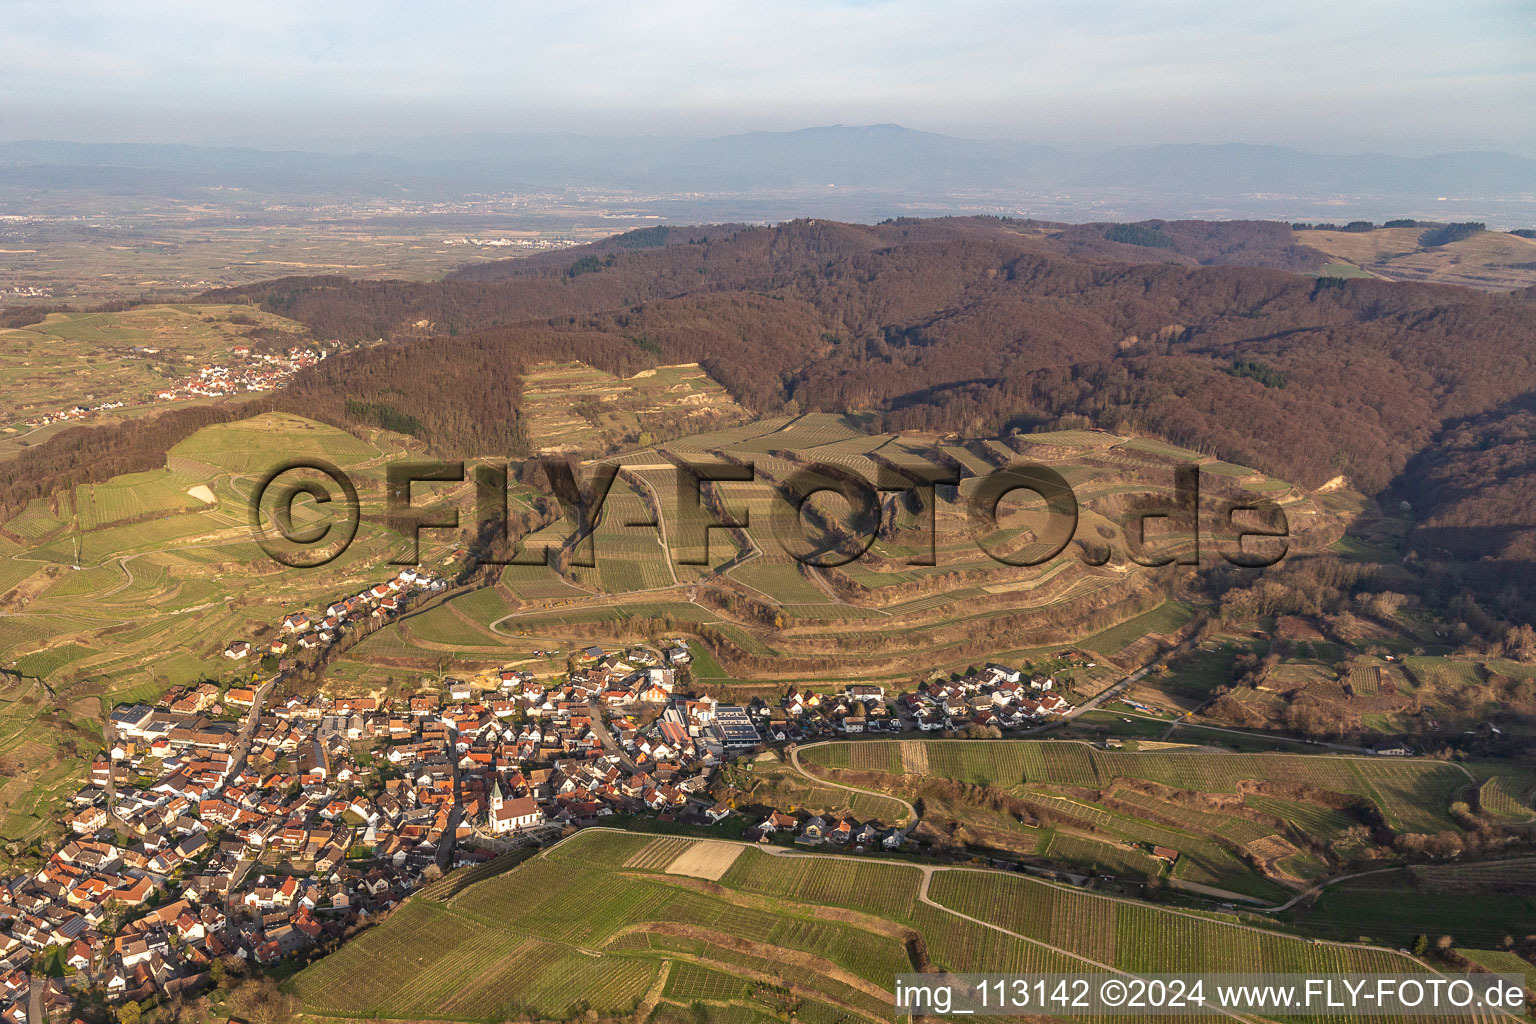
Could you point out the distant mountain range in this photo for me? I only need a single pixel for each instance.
(885, 161)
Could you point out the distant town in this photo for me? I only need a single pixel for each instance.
(246, 371)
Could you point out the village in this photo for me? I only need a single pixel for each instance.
(246, 371)
(257, 824)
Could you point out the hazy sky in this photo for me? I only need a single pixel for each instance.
(1409, 76)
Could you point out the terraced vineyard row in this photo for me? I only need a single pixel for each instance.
(689, 981)
(1309, 819)
(1234, 827)
(1502, 798)
(885, 889)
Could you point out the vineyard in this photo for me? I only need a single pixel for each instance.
(592, 923)
(1133, 937)
(1413, 794)
(1503, 798)
(1479, 904)
(1202, 859)
(1100, 817)
(1160, 621)
(1491, 876)
(1102, 856)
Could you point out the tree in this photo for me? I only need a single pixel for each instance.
(260, 1001)
(130, 1013)
(1420, 945)
(1520, 643)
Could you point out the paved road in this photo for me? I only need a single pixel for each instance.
(110, 735)
(605, 737)
(35, 1013)
(455, 813)
(1108, 693)
(248, 729)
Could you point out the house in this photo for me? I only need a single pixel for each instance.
(1393, 749)
(1052, 704)
(814, 832)
(240, 697)
(79, 955)
(237, 650)
(776, 821)
(92, 819)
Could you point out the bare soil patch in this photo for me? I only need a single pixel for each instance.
(705, 859)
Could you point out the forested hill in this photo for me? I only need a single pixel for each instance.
(977, 326)
(972, 325)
